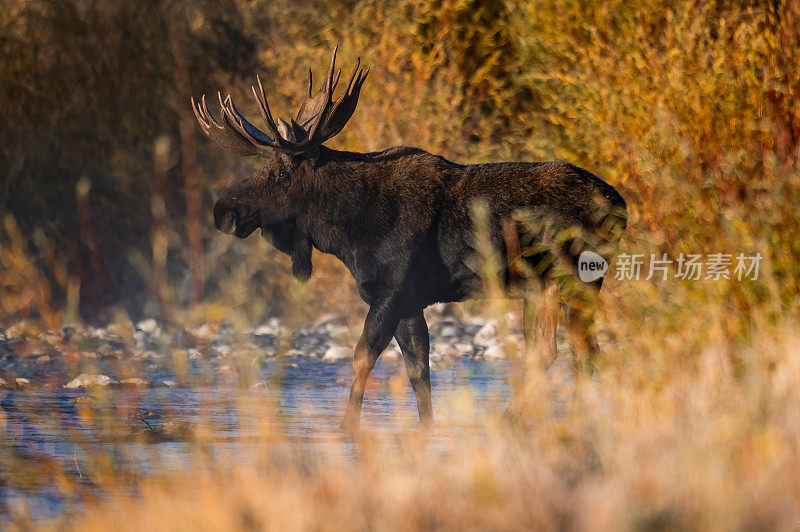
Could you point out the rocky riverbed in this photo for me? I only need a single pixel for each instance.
(148, 354)
(71, 394)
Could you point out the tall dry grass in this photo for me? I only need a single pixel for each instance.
(704, 449)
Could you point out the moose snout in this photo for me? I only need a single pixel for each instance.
(224, 216)
(233, 216)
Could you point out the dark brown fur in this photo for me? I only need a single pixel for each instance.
(401, 221)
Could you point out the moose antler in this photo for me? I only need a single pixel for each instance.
(319, 119)
(226, 135)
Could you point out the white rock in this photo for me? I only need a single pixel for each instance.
(330, 320)
(494, 352)
(444, 349)
(223, 349)
(464, 350)
(205, 332)
(84, 380)
(100, 334)
(271, 328)
(149, 326)
(264, 330)
(338, 352)
(487, 335)
(476, 320)
(449, 331)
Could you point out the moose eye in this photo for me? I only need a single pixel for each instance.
(283, 175)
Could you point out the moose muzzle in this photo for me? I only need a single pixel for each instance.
(236, 218)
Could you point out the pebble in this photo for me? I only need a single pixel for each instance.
(148, 334)
(338, 352)
(487, 335)
(449, 331)
(204, 332)
(266, 335)
(335, 325)
(494, 352)
(222, 349)
(179, 428)
(149, 326)
(464, 349)
(135, 382)
(85, 380)
(82, 400)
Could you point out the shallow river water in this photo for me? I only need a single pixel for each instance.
(50, 425)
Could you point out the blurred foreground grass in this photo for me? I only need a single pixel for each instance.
(696, 447)
(689, 108)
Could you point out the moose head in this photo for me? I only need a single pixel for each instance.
(271, 197)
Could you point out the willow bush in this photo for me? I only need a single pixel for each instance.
(690, 108)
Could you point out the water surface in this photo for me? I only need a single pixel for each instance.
(68, 429)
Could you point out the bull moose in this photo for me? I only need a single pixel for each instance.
(402, 222)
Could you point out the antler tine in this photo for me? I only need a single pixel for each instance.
(363, 78)
(242, 126)
(327, 84)
(198, 113)
(202, 114)
(352, 77)
(263, 105)
(225, 138)
(310, 82)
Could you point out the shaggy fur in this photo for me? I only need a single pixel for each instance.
(401, 220)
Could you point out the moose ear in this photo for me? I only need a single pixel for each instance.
(313, 154)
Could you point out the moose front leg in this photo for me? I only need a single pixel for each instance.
(379, 326)
(412, 337)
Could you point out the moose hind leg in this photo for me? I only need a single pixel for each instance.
(539, 322)
(412, 337)
(582, 331)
